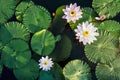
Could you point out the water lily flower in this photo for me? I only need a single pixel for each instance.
(101, 18)
(45, 63)
(86, 33)
(72, 13)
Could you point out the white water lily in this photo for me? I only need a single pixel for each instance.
(86, 33)
(72, 13)
(45, 63)
(101, 18)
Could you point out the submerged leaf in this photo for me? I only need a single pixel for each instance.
(43, 42)
(15, 54)
(7, 8)
(109, 72)
(1, 67)
(107, 7)
(103, 50)
(36, 18)
(77, 70)
(28, 72)
(62, 50)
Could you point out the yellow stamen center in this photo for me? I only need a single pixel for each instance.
(86, 33)
(45, 63)
(72, 13)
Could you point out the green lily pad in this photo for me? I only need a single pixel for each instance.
(58, 23)
(111, 26)
(7, 8)
(109, 72)
(21, 9)
(62, 50)
(36, 18)
(107, 7)
(43, 42)
(15, 54)
(88, 15)
(103, 50)
(28, 72)
(13, 30)
(77, 70)
(54, 74)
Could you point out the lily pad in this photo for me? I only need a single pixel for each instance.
(15, 54)
(7, 8)
(13, 30)
(54, 74)
(103, 50)
(28, 72)
(109, 71)
(111, 26)
(62, 50)
(43, 42)
(110, 8)
(36, 18)
(21, 9)
(77, 70)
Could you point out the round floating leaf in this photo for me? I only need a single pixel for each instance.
(88, 15)
(109, 72)
(21, 9)
(13, 30)
(54, 74)
(103, 50)
(36, 18)
(111, 26)
(58, 24)
(77, 70)
(15, 54)
(28, 72)
(107, 7)
(6, 10)
(43, 42)
(62, 50)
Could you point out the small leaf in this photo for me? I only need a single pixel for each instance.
(28, 72)
(58, 38)
(107, 7)
(36, 18)
(15, 54)
(7, 8)
(58, 24)
(77, 70)
(103, 50)
(62, 50)
(43, 42)
(111, 26)
(109, 72)
(54, 74)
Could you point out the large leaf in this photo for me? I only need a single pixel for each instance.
(58, 24)
(62, 49)
(28, 72)
(107, 7)
(16, 54)
(109, 72)
(54, 74)
(6, 10)
(103, 50)
(36, 18)
(21, 8)
(111, 26)
(88, 15)
(13, 30)
(77, 70)
(43, 42)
